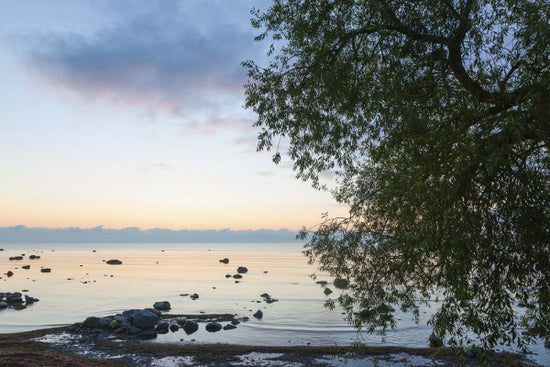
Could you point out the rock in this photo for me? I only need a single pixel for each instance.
(91, 322)
(258, 314)
(229, 327)
(45, 270)
(245, 319)
(162, 306)
(113, 325)
(9, 273)
(194, 296)
(147, 335)
(228, 275)
(26, 267)
(14, 298)
(237, 276)
(174, 327)
(340, 283)
(12, 258)
(435, 341)
(162, 328)
(190, 327)
(225, 260)
(242, 269)
(470, 350)
(235, 322)
(321, 282)
(145, 319)
(181, 322)
(30, 300)
(212, 327)
(154, 311)
(3, 305)
(34, 257)
(114, 262)
(104, 321)
(327, 291)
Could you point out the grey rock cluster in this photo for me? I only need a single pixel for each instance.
(16, 300)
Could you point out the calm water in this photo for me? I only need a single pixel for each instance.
(81, 284)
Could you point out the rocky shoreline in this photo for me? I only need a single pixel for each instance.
(69, 346)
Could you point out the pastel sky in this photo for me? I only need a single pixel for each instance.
(129, 113)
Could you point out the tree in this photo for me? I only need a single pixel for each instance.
(434, 116)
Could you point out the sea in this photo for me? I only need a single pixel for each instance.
(81, 284)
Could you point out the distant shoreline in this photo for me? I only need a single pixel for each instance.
(23, 234)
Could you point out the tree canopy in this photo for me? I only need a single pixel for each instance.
(434, 117)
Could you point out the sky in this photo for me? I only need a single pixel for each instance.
(129, 113)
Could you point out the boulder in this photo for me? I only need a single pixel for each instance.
(242, 269)
(26, 267)
(14, 298)
(162, 305)
(212, 327)
(174, 327)
(162, 328)
(327, 291)
(229, 327)
(9, 273)
(258, 314)
(235, 322)
(237, 276)
(145, 319)
(104, 321)
(12, 258)
(30, 300)
(91, 322)
(190, 327)
(114, 262)
(34, 257)
(3, 305)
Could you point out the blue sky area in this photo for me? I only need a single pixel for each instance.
(129, 114)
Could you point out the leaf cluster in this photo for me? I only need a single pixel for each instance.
(435, 117)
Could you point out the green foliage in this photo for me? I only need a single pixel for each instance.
(434, 116)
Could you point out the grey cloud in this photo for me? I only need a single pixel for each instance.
(164, 57)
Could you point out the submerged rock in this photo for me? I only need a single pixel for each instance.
(258, 314)
(114, 262)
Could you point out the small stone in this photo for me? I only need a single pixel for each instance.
(45, 270)
(26, 267)
(34, 257)
(224, 260)
(174, 327)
